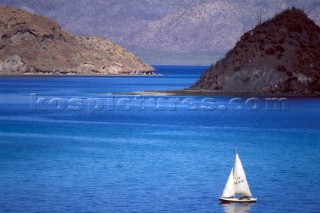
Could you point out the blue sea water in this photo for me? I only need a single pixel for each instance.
(79, 144)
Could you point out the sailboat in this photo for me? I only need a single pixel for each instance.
(237, 187)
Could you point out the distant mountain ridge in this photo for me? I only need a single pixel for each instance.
(279, 56)
(34, 45)
(176, 32)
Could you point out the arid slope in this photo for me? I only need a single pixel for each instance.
(34, 45)
(279, 56)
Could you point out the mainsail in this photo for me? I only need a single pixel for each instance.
(237, 182)
(241, 186)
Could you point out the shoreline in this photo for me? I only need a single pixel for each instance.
(183, 92)
(211, 93)
(134, 75)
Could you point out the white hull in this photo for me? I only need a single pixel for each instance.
(238, 200)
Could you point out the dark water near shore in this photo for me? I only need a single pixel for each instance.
(91, 151)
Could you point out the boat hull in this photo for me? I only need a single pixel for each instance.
(238, 200)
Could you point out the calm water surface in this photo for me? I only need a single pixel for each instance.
(93, 149)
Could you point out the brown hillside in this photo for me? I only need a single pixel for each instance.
(35, 45)
(279, 56)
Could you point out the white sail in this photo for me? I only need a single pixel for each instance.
(241, 186)
(229, 188)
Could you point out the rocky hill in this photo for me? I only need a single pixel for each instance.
(166, 31)
(279, 56)
(34, 45)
